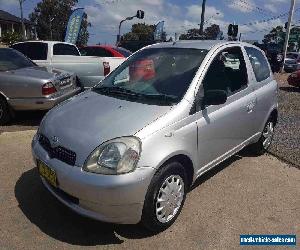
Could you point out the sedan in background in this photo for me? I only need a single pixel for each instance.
(294, 79)
(105, 51)
(25, 86)
(292, 62)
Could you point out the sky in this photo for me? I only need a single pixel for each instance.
(255, 17)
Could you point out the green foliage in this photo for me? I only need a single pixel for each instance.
(276, 35)
(210, 33)
(59, 11)
(10, 38)
(140, 32)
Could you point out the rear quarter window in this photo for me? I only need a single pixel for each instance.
(33, 50)
(259, 64)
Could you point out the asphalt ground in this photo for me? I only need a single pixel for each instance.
(244, 195)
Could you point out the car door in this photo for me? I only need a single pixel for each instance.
(224, 129)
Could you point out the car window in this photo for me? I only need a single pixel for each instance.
(227, 72)
(11, 60)
(292, 56)
(259, 63)
(95, 51)
(33, 50)
(124, 52)
(156, 74)
(65, 49)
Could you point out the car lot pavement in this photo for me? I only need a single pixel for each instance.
(244, 195)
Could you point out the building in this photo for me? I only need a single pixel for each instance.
(11, 23)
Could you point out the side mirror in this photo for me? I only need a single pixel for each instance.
(214, 97)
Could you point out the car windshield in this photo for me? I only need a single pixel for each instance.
(11, 60)
(157, 75)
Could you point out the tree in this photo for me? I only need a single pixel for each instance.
(140, 32)
(276, 35)
(192, 34)
(52, 16)
(210, 33)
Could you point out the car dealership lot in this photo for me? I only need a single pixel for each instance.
(243, 195)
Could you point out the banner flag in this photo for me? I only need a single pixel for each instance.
(74, 24)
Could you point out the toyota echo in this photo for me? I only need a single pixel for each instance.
(127, 150)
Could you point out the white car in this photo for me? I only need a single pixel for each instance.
(90, 70)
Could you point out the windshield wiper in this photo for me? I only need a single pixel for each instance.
(162, 97)
(117, 90)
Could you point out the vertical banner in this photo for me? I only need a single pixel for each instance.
(159, 31)
(74, 24)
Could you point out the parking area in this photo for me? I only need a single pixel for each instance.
(245, 194)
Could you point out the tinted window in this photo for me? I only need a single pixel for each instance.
(65, 49)
(34, 51)
(259, 63)
(124, 52)
(12, 60)
(227, 72)
(292, 56)
(94, 51)
(155, 75)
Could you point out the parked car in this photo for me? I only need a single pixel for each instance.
(294, 79)
(25, 86)
(292, 62)
(105, 51)
(90, 70)
(133, 145)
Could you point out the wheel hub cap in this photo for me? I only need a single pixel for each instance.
(169, 198)
(268, 134)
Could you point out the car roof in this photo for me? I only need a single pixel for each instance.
(43, 41)
(196, 44)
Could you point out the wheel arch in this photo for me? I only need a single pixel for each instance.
(186, 162)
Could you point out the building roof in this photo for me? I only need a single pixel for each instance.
(5, 16)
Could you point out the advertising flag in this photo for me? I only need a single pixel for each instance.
(159, 31)
(74, 24)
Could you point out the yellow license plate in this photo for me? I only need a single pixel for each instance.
(48, 173)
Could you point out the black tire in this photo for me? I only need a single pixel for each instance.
(259, 148)
(4, 112)
(149, 218)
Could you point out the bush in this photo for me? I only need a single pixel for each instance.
(10, 38)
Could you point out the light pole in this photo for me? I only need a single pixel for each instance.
(287, 36)
(139, 14)
(22, 19)
(202, 17)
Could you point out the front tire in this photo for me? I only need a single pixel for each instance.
(165, 197)
(4, 112)
(264, 142)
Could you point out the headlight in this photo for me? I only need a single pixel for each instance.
(117, 156)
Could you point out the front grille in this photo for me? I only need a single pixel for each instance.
(59, 152)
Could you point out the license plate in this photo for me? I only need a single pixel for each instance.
(48, 173)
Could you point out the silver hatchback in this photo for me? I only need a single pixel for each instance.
(129, 149)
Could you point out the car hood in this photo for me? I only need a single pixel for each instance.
(84, 122)
(39, 72)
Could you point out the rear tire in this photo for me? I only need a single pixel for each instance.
(264, 142)
(165, 197)
(4, 112)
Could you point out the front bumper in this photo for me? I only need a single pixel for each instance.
(42, 103)
(109, 198)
